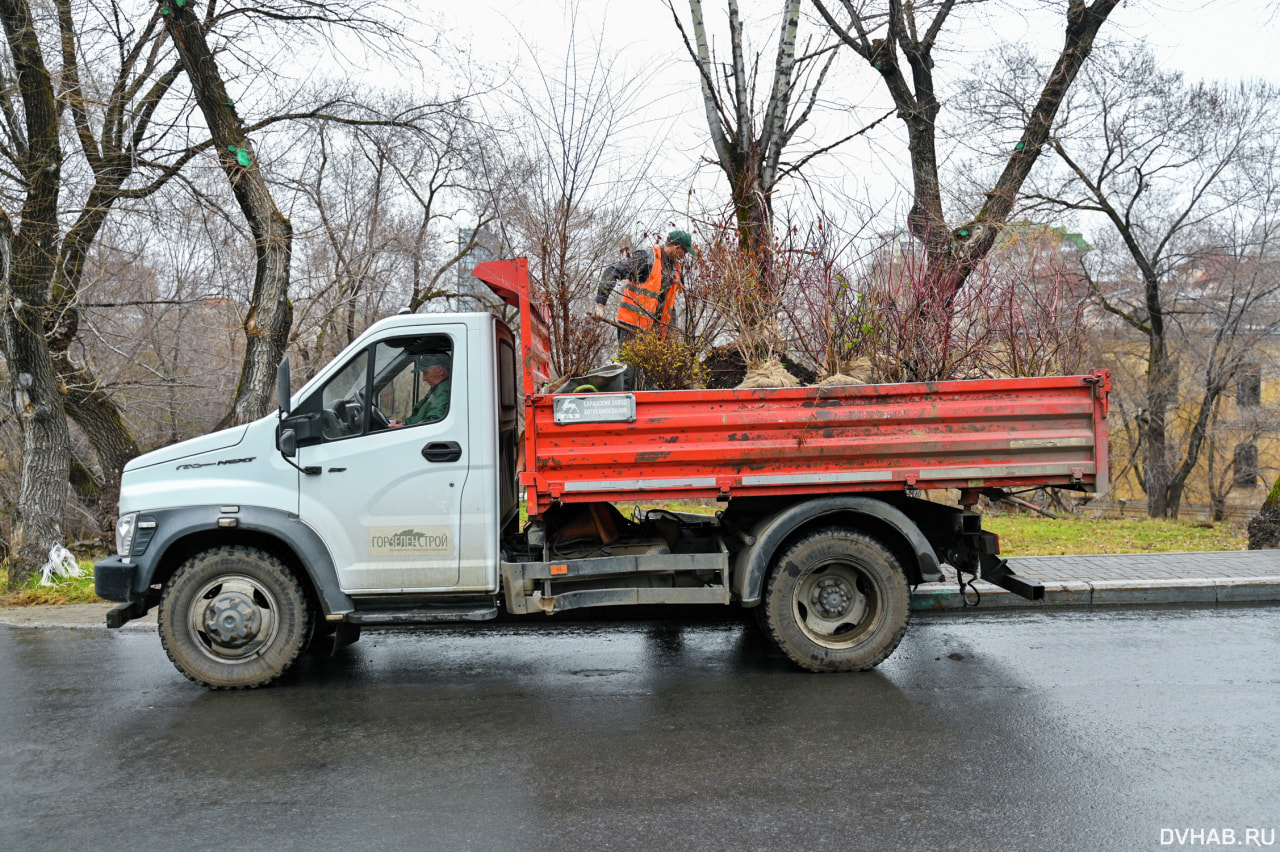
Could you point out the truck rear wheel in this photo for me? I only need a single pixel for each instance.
(233, 618)
(836, 601)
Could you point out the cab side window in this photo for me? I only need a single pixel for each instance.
(416, 387)
(399, 382)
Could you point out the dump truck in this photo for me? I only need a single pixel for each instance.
(341, 511)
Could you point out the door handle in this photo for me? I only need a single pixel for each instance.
(442, 451)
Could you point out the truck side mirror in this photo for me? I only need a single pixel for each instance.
(287, 443)
(282, 388)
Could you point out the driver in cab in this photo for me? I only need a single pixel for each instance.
(434, 370)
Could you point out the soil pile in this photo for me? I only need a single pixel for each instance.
(726, 369)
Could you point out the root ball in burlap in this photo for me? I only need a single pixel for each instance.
(770, 374)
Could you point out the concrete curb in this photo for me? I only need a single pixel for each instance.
(934, 597)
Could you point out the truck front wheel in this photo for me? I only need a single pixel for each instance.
(233, 618)
(836, 601)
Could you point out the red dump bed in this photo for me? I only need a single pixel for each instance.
(778, 441)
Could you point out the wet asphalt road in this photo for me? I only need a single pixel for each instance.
(1052, 730)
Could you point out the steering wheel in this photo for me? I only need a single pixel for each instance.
(348, 412)
(378, 420)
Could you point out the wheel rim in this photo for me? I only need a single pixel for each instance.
(233, 619)
(837, 604)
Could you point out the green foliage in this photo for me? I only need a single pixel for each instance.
(663, 363)
(1273, 498)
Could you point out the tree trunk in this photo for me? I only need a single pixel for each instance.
(28, 259)
(46, 443)
(754, 215)
(270, 315)
(749, 144)
(1156, 436)
(1218, 507)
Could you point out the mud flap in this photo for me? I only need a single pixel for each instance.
(996, 571)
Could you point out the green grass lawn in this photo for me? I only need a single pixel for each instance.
(74, 590)
(1033, 535)
(1020, 535)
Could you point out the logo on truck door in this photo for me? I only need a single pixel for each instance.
(410, 541)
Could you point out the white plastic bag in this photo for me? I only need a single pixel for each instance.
(62, 563)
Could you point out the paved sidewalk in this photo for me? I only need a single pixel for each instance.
(1150, 566)
(1135, 579)
(1131, 579)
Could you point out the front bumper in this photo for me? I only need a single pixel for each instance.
(113, 580)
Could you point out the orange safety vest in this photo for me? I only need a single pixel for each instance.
(640, 307)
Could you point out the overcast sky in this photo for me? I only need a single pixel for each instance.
(1220, 40)
(1223, 39)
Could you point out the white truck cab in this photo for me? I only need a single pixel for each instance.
(372, 483)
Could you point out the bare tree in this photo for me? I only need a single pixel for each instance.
(1185, 175)
(118, 98)
(750, 137)
(566, 198)
(380, 229)
(270, 315)
(1223, 323)
(28, 259)
(898, 40)
(162, 316)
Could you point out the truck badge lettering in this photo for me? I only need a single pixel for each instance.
(411, 541)
(198, 465)
(595, 408)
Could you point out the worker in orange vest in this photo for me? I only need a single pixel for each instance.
(652, 281)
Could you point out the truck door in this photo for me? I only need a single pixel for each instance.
(391, 449)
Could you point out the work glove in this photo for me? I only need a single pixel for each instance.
(597, 311)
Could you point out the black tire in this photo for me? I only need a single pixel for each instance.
(233, 618)
(836, 601)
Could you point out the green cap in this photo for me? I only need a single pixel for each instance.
(682, 239)
(433, 359)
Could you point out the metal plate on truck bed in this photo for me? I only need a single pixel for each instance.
(595, 408)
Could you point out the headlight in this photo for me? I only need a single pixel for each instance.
(125, 528)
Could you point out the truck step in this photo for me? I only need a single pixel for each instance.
(625, 597)
(426, 615)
